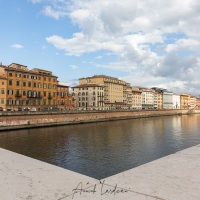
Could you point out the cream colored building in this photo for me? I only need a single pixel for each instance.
(192, 102)
(137, 98)
(147, 97)
(89, 96)
(114, 89)
(128, 97)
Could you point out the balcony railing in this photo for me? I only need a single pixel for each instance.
(18, 95)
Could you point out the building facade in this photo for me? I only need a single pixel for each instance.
(160, 100)
(147, 97)
(185, 101)
(176, 101)
(3, 90)
(137, 98)
(89, 96)
(65, 100)
(192, 102)
(27, 89)
(114, 90)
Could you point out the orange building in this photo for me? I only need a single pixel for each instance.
(64, 99)
(3, 89)
(31, 89)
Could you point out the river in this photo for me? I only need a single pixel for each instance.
(103, 149)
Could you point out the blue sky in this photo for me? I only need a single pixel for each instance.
(149, 43)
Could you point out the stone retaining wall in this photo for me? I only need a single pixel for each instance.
(70, 118)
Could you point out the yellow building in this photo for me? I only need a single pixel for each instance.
(185, 101)
(160, 100)
(114, 89)
(30, 89)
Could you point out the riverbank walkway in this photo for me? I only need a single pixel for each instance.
(174, 177)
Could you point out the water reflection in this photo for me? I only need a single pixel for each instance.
(103, 149)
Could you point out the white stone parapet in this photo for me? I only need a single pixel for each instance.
(174, 177)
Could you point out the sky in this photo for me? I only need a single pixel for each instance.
(150, 43)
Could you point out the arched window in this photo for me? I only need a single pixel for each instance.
(94, 93)
(83, 93)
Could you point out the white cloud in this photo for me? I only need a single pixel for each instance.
(158, 39)
(98, 57)
(17, 46)
(51, 12)
(74, 67)
(35, 1)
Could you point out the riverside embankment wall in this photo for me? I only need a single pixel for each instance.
(17, 120)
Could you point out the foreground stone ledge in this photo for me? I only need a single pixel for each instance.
(174, 177)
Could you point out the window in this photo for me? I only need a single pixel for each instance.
(18, 75)
(10, 102)
(44, 78)
(23, 102)
(17, 83)
(10, 82)
(10, 92)
(39, 77)
(24, 92)
(93, 93)
(9, 74)
(45, 93)
(45, 85)
(29, 84)
(39, 85)
(17, 92)
(54, 86)
(24, 83)
(49, 79)
(2, 83)
(17, 102)
(34, 84)
(49, 86)
(2, 101)
(24, 75)
(2, 91)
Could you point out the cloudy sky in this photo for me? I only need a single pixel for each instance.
(144, 42)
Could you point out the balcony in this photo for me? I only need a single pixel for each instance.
(50, 97)
(31, 96)
(18, 95)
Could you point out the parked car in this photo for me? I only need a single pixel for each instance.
(19, 109)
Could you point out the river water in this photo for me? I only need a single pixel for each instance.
(103, 149)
